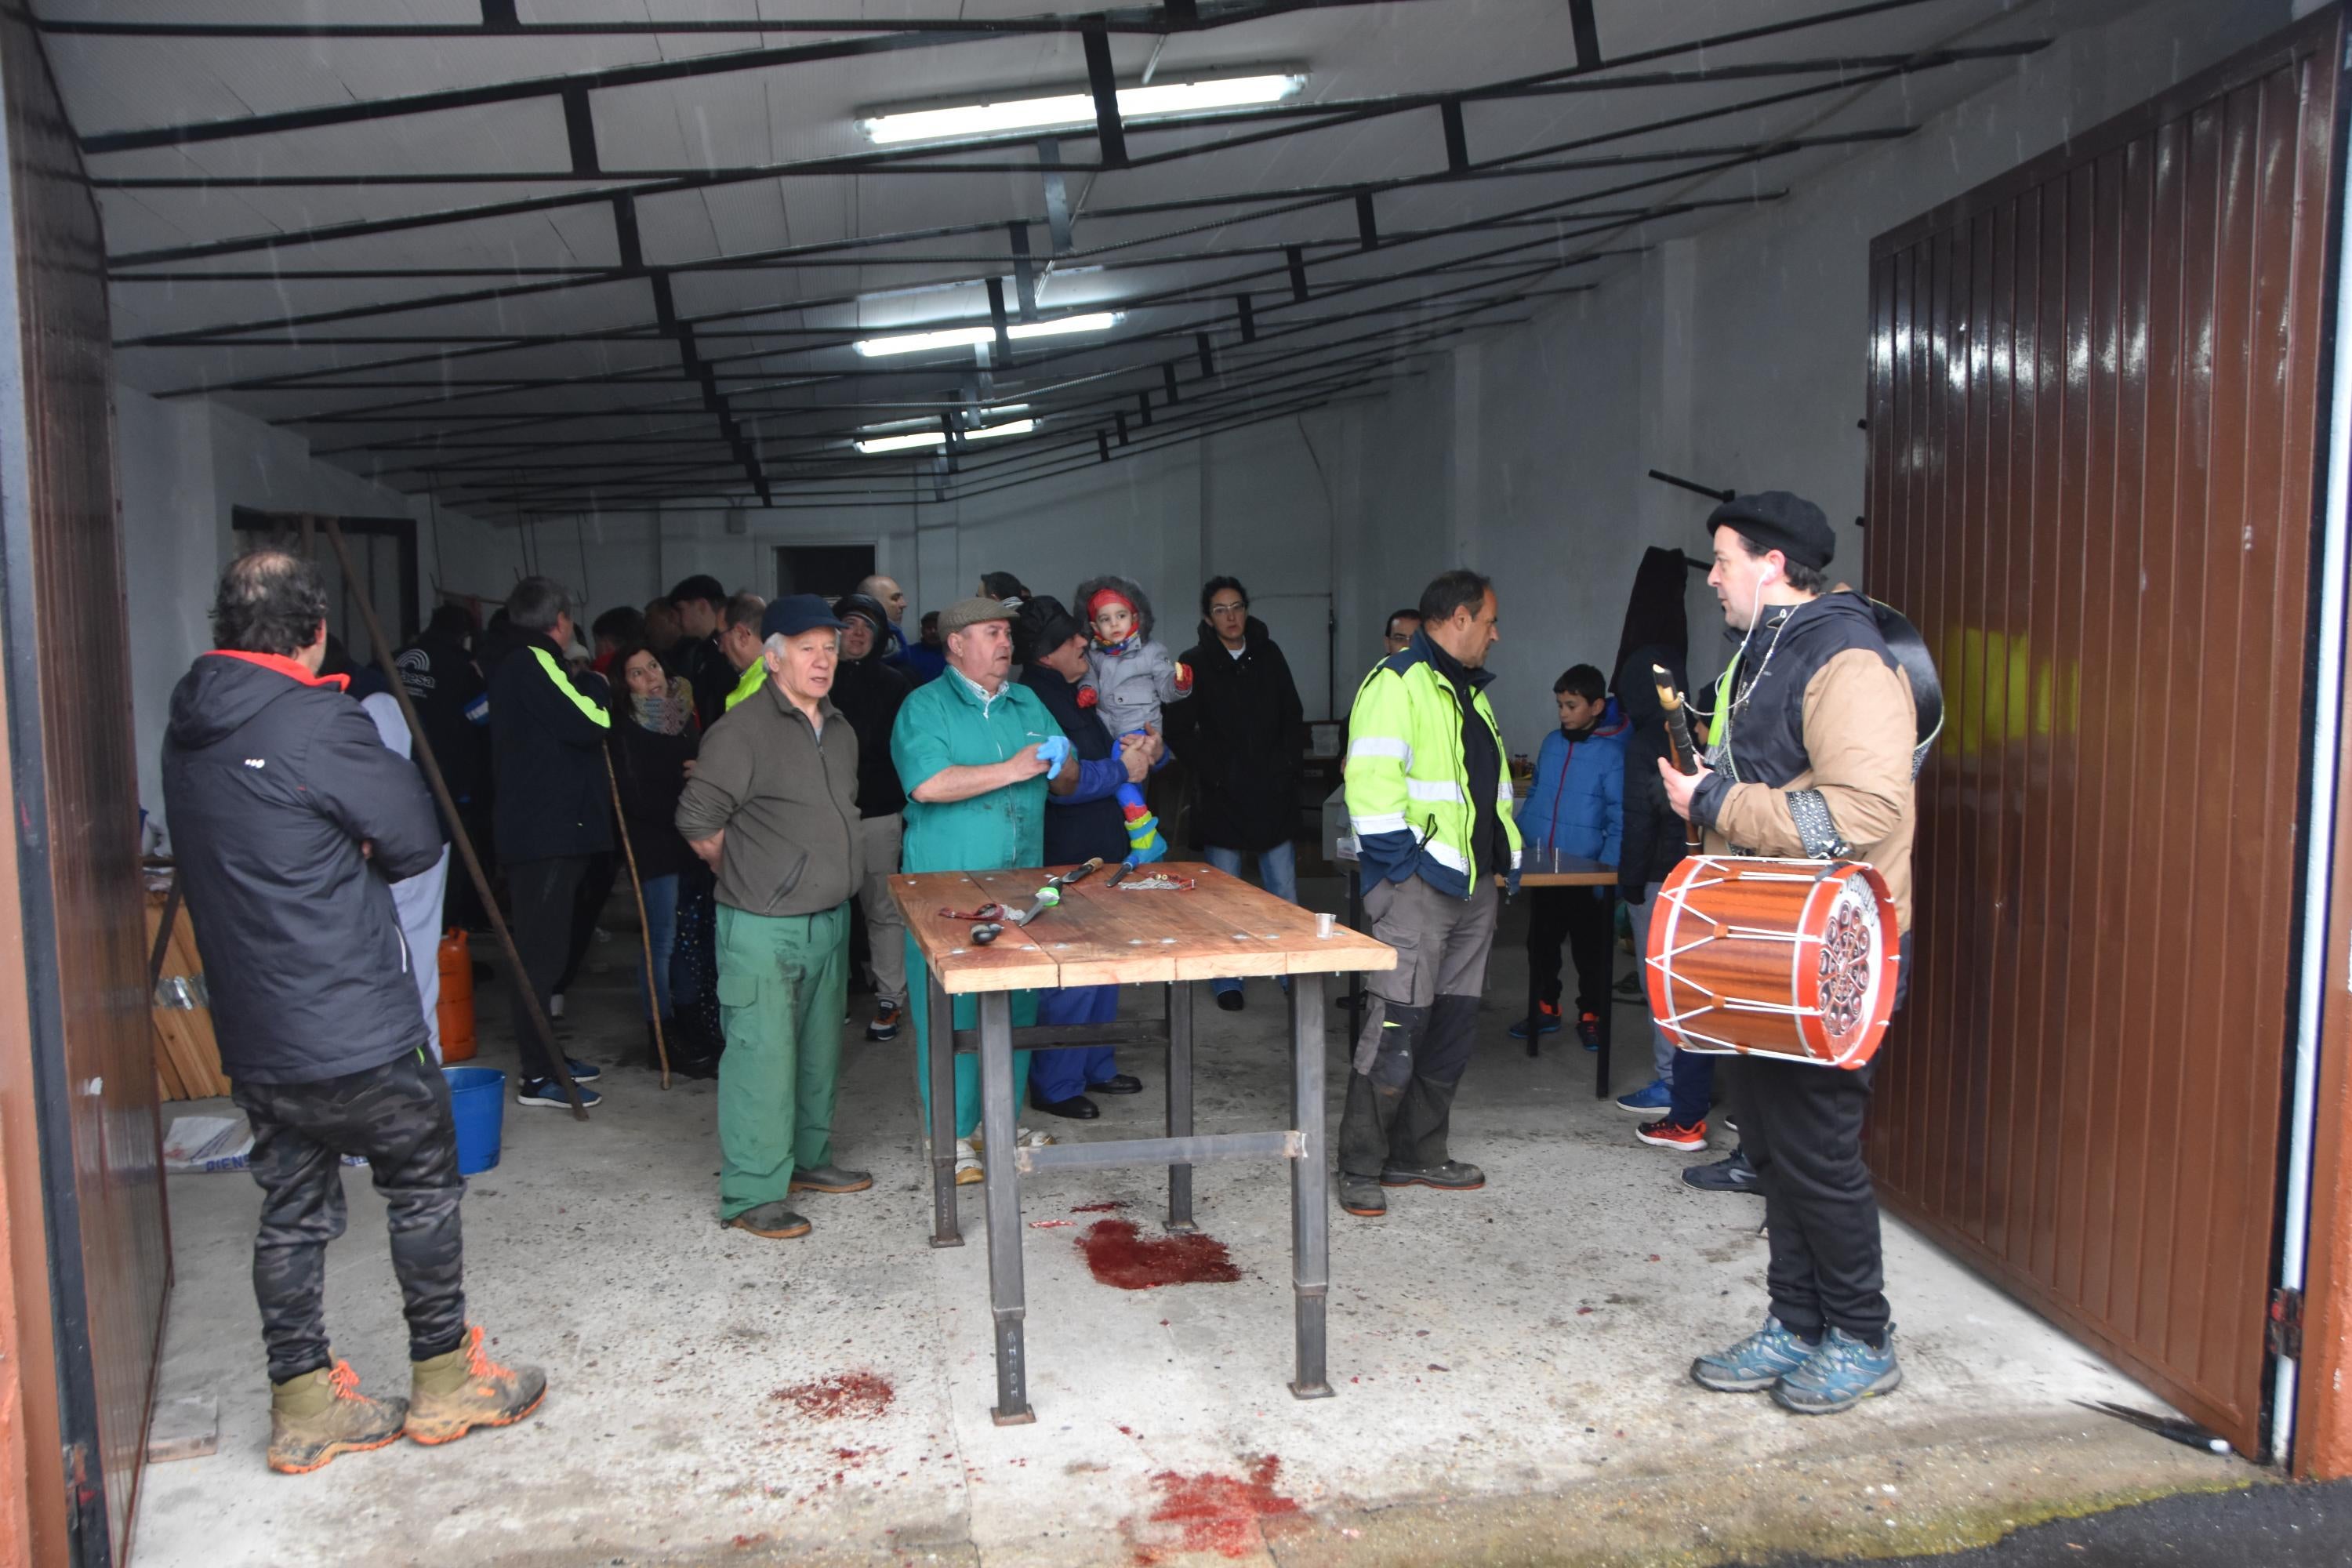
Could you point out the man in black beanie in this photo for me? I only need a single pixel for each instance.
(1809, 755)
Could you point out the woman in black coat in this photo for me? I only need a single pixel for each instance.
(1243, 731)
(654, 739)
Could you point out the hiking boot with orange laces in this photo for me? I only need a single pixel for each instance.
(451, 1394)
(321, 1413)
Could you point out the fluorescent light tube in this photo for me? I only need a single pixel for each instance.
(938, 438)
(1160, 100)
(967, 337)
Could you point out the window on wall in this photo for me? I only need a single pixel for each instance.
(826, 570)
(383, 563)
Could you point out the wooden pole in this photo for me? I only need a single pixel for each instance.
(546, 1031)
(652, 991)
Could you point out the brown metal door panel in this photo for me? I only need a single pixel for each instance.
(2093, 396)
(90, 1068)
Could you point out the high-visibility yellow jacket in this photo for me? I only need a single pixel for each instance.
(1407, 782)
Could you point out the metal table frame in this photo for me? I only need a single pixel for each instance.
(995, 1040)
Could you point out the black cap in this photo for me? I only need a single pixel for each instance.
(1042, 626)
(794, 613)
(1775, 520)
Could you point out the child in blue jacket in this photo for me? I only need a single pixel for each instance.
(1576, 807)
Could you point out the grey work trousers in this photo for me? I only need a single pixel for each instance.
(1421, 1026)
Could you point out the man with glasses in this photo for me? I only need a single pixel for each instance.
(1243, 731)
(1402, 624)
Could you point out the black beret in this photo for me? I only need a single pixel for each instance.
(1775, 520)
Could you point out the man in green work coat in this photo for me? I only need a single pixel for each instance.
(966, 746)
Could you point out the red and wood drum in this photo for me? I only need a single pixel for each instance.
(1778, 958)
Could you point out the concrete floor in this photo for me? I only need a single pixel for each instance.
(1509, 1363)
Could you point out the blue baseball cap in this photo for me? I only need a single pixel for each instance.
(796, 613)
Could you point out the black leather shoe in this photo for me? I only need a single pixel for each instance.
(1078, 1108)
(1230, 1001)
(1452, 1176)
(1118, 1083)
(1733, 1174)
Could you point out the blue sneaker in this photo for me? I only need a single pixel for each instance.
(547, 1091)
(1758, 1361)
(1652, 1098)
(1547, 1021)
(1841, 1373)
(582, 1072)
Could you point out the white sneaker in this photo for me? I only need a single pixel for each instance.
(1023, 1138)
(967, 1169)
(555, 1005)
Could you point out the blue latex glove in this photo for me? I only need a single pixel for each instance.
(1053, 751)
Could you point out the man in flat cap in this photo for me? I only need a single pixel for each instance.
(977, 753)
(772, 809)
(1809, 755)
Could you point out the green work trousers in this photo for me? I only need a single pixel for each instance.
(967, 1067)
(783, 982)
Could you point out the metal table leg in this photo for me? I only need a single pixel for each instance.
(1310, 1230)
(939, 1062)
(1355, 977)
(1535, 991)
(1609, 999)
(1180, 1101)
(1005, 1299)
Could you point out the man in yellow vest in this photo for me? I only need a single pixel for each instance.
(1429, 799)
(738, 640)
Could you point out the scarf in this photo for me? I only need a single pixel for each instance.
(666, 715)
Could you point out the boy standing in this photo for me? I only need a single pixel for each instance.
(1576, 806)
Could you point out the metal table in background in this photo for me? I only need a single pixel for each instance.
(1106, 936)
(1538, 869)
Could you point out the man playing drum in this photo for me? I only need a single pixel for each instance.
(1810, 754)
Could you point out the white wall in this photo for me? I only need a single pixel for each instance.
(182, 468)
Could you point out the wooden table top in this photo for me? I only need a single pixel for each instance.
(1538, 869)
(1101, 935)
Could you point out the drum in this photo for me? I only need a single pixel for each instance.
(1778, 958)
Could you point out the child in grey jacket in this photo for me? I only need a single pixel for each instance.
(1133, 677)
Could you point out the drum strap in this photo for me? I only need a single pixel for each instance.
(1811, 811)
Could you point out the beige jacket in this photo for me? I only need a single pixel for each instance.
(1859, 723)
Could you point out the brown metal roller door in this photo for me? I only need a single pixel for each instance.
(2093, 387)
(93, 1213)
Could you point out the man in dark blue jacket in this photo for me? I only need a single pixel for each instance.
(290, 820)
(553, 811)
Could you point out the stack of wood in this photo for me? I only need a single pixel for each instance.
(187, 1058)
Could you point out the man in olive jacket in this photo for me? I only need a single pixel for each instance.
(772, 809)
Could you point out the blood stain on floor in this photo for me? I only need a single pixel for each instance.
(1122, 1257)
(1210, 1512)
(851, 1396)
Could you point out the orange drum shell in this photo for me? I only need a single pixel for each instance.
(1781, 896)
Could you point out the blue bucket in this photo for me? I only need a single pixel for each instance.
(478, 1104)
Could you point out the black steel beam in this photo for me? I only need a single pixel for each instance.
(1587, 34)
(1110, 135)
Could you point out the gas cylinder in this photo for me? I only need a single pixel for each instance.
(456, 1009)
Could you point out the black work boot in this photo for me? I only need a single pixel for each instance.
(1361, 1196)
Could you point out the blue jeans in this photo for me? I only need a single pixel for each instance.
(1277, 872)
(1694, 1089)
(661, 936)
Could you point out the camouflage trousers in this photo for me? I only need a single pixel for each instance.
(396, 1116)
